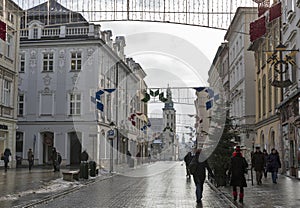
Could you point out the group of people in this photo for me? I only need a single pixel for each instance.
(55, 157)
(261, 162)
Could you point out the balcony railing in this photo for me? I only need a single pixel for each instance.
(61, 31)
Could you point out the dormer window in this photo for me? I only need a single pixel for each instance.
(35, 33)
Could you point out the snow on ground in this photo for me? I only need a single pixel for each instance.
(57, 185)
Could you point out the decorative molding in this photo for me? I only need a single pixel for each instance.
(74, 78)
(47, 80)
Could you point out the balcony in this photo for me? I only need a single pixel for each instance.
(61, 32)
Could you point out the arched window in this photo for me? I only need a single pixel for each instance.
(270, 89)
(259, 99)
(264, 94)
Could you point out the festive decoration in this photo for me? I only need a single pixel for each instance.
(169, 128)
(258, 28)
(275, 12)
(100, 105)
(2, 31)
(154, 94)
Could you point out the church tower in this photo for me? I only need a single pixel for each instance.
(169, 113)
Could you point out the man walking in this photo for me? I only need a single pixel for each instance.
(197, 169)
(258, 163)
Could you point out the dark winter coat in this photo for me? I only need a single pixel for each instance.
(200, 174)
(6, 155)
(273, 162)
(238, 168)
(188, 158)
(258, 161)
(84, 156)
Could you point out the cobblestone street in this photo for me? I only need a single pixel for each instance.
(161, 184)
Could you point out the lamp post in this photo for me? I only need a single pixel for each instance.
(111, 135)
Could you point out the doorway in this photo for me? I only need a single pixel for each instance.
(48, 138)
(75, 147)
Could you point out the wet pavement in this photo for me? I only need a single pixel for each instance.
(160, 184)
(284, 194)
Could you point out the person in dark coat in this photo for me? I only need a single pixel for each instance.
(273, 164)
(187, 159)
(84, 156)
(54, 159)
(258, 163)
(199, 174)
(30, 158)
(6, 155)
(128, 155)
(266, 155)
(238, 168)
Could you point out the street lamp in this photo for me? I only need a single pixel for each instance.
(111, 135)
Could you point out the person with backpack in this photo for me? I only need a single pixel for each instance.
(197, 169)
(238, 168)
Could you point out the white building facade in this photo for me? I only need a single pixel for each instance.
(241, 75)
(62, 66)
(9, 47)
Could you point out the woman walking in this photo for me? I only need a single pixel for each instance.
(273, 164)
(237, 171)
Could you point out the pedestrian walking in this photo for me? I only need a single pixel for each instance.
(128, 155)
(273, 164)
(187, 159)
(238, 168)
(266, 155)
(197, 169)
(84, 156)
(258, 163)
(54, 159)
(6, 155)
(138, 157)
(30, 158)
(59, 159)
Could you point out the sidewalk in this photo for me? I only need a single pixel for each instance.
(283, 194)
(20, 188)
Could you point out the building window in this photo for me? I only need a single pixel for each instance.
(22, 63)
(1, 8)
(35, 33)
(6, 93)
(9, 46)
(20, 105)
(264, 94)
(259, 99)
(46, 104)
(270, 89)
(10, 17)
(48, 62)
(75, 104)
(75, 61)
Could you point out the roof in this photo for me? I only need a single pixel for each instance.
(58, 14)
